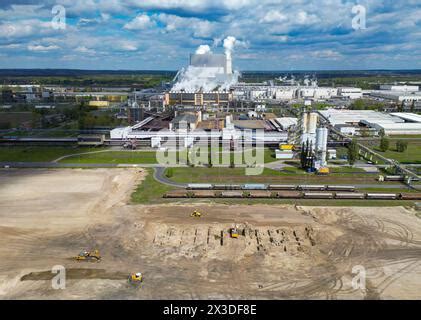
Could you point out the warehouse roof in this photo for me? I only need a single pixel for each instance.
(354, 116)
(407, 116)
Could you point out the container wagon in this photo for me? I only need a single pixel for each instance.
(393, 178)
(282, 187)
(381, 196)
(231, 194)
(259, 194)
(199, 186)
(290, 194)
(349, 195)
(226, 187)
(318, 195)
(176, 194)
(410, 196)
(341, 188)
(254, 186)
(312, 187)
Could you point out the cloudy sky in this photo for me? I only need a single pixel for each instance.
(160, 34)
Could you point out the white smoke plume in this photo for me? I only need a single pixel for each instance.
(207, 79)
(229, 44)
(203, 49)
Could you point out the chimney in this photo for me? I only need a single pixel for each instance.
(229, 64)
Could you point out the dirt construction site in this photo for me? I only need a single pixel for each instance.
(282, 252)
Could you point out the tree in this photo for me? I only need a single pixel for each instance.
(382, 133)
(352, 151)
(384, 144)
(401, 146)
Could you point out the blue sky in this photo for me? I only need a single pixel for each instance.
(160, 34)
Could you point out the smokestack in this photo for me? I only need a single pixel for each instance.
(229, 64)
(229, 44)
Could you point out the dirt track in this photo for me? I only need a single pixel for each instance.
(48, 216)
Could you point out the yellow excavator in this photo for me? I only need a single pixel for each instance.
(136, 278)
(234, 232)
(92, 256)
(196, 214)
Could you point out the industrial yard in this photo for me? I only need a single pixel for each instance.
(282, 251)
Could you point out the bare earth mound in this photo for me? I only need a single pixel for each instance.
(48, 216)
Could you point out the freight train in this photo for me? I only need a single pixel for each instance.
(256, 186)
(289, 194)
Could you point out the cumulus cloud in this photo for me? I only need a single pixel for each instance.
(141, 22)
(42, 48)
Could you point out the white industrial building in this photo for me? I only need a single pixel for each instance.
(354, 117)
(406, 128)
(350, 92)
(401, 88)
(407, 116)
(350, 121)
(397, 96)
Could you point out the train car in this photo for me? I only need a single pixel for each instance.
(349, 195)
(382, 196)
(90, 139)
(282, 187)
(312, 187)
(259, 194)
(254, 186)
(204, 194)
(393, 178)
(231, 194)
(199, 186)
(410, 196)
(176, 194)
(227, 187)
(318, 195)
(290, 194)
(341, 188)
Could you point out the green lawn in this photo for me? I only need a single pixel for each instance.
(38, 154)
(150, 190)
(292, 176)
(268, 155)
(118, 157)
(411, 155)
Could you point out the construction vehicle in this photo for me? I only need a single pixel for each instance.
(284, 147)
(92, 256)
(196, 214)
(136, 279)
(234, 232)
(323, 171)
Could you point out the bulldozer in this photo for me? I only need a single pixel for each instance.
(136, 279)
(196, 214)
(92, 256)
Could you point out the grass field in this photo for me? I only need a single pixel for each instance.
(411, 155)
(237, 175)
(38, 154)
(118, 157)
(150, 190)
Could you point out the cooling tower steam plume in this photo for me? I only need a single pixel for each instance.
(203, 49)
(208, 77)
(229, 44)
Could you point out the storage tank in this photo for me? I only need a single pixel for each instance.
(313, 122)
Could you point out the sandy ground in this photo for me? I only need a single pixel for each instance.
(283, 252)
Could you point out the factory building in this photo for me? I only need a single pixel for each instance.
(350, 93)
(198, 98)
(352, 121)
(399, 88)
(397, 96)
